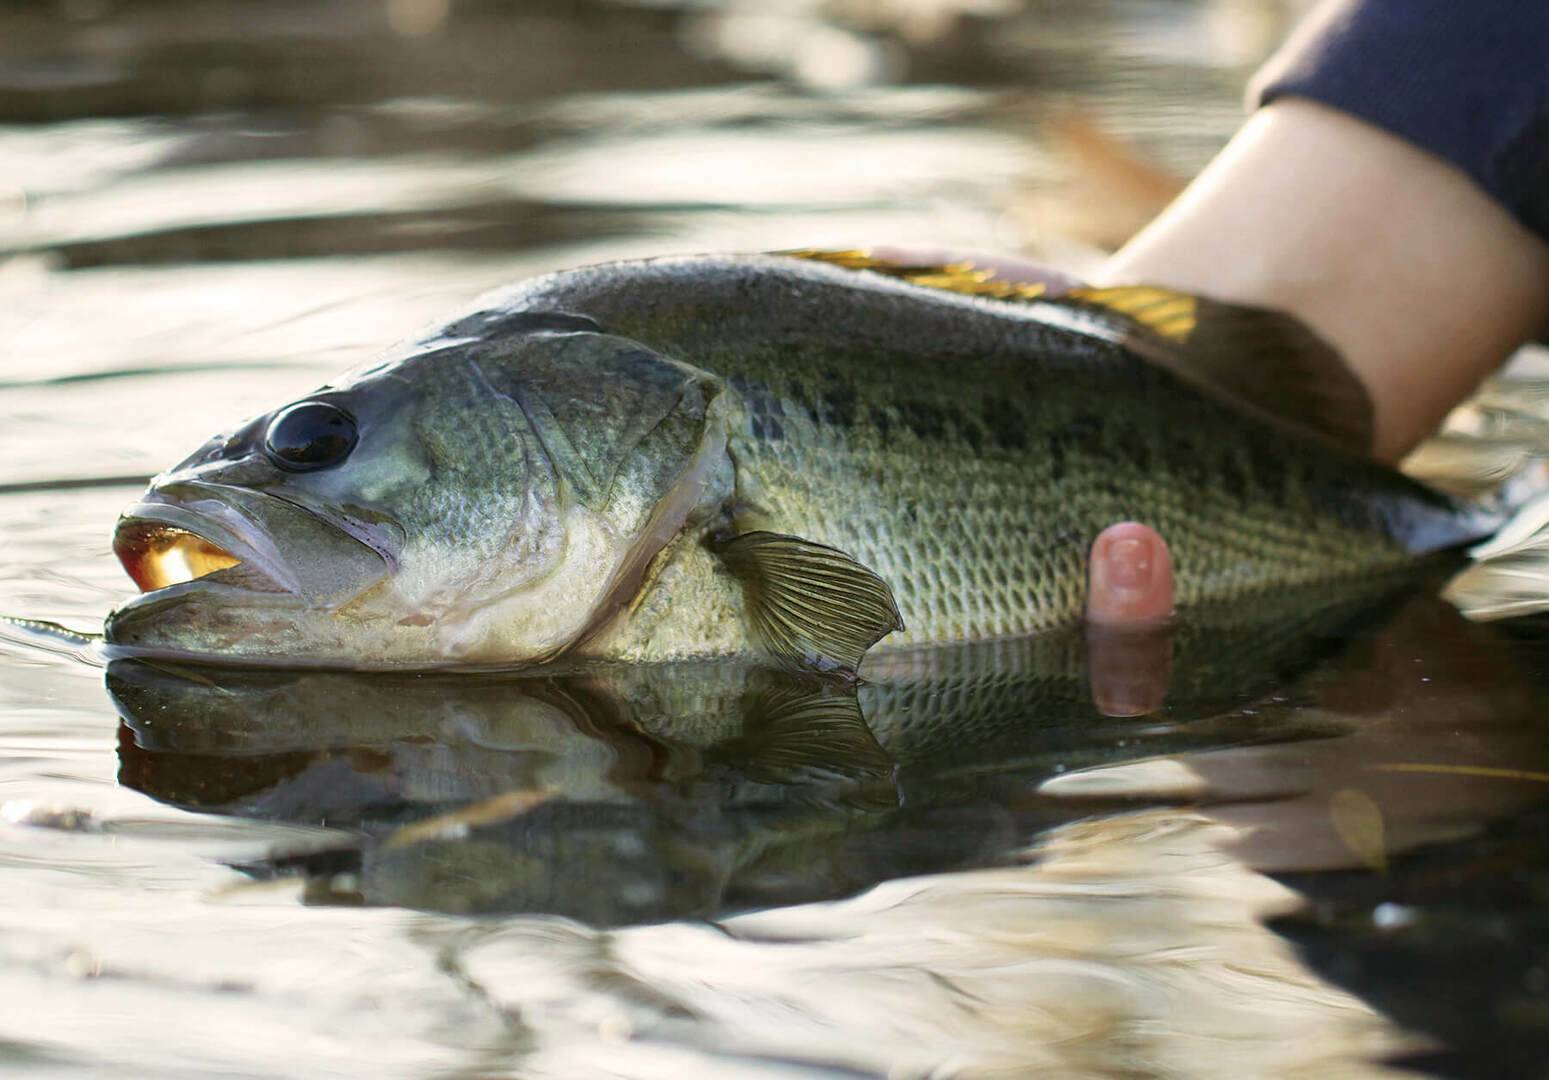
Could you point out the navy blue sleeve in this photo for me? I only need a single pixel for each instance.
(1467, 80)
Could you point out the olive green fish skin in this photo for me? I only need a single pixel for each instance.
(574, 471)
(969, 450)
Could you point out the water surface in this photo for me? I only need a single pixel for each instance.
(1323, 855)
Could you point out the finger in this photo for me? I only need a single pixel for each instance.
(1129, 671)
(1129, 644)
(1130, 581)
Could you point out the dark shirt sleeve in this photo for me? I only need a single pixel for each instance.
(1467, 80)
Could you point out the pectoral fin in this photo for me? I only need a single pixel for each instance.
(802, 730)
(812, 606)
(1264, 362)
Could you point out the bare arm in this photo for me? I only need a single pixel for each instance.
(1421, 280)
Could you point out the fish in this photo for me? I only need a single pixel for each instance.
(802, 457)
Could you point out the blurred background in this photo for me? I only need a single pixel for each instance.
(207, 207)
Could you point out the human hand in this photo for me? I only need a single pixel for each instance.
(1129, 604)
(1419, 314)
(1130, 573)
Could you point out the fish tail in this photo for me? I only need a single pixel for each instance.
(1493, 451)
(1508, 575)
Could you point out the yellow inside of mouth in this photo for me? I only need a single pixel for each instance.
(157, 558)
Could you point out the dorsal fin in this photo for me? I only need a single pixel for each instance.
(1172, 315)
(1266, 363)
(958, 277)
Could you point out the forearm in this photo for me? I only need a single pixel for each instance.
(1403, 263)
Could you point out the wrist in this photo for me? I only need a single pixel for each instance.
(1418, 278)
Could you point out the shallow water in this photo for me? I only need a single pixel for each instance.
(1325, 854)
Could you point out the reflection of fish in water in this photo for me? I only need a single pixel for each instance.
(712, 456)
(630, 792)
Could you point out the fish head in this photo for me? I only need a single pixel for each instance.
(490, 501)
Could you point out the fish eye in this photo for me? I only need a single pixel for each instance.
(310, 435)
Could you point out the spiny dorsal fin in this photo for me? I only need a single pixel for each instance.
(812, 606)
(1173, 315)
(1264, 362)
(959, 277)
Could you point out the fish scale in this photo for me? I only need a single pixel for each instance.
(774, 456)
(978, 515)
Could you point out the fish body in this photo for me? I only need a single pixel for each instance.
(740, 455)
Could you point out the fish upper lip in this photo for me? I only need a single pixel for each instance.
(206, 515)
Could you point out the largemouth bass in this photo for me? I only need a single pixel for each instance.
(772, 456)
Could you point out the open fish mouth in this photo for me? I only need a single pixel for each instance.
(236, 575)
(163, 542)
(157, 555)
